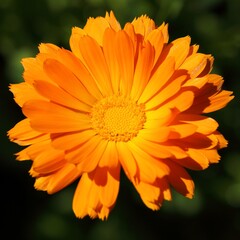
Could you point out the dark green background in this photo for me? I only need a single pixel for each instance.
(214, 213)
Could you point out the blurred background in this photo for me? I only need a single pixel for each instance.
(214, 213)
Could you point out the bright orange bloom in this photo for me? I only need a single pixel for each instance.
(121, 98)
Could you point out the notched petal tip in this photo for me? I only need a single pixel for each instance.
(96, 194)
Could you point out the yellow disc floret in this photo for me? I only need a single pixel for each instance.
(117, 118)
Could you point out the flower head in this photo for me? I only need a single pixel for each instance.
(122, 98)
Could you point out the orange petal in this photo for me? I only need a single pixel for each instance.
(204, 124)
(86, 156)
(143, 25)
(33, 69)
(102, 179)
(198, 157)
(81, 196)
(48, 48)
(152, 148)
(81, 151)
(111, 58)
(137, 40)
(110, 17)
(125, 56)
(153, 194)
(182, 102)
(219, 101)
(59, 73)
(204, 156)
(148, 166)
(172, 147)
(86, 198)
(222, 142)
(178, 49)
(52, 118)
(33, 150)
(23, 155)
(127, 160)
(80, 71)
(95, 61)
(23, 134)
(91, 161)
(67, 141)
(49, 161)
(191, 163)
(96, 194)
(77, 33)
(156, 39)
(159, 134)
(195, 64)
(109, 191)
(164, 29)
(216, 80)
(196, 83)
(41, 183)
(212, 155)
(158, 80)
(24, 92)
(110, 156)
(62, 178)
(150, 194)
(197, 141)
(146, 170)
(182, 130)
(59, 96)
(159, 117)
(95, 28)
(172, 87)
(209, 97)
(193, 49)
(143, 70)
(180, 179)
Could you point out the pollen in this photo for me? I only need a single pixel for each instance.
(116, 118)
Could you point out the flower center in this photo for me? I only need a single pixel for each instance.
(117, 118)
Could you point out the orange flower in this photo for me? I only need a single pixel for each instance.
(121, 98)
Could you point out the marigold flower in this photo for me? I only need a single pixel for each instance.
(121, 98)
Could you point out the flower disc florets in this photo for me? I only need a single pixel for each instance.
(116, 118)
